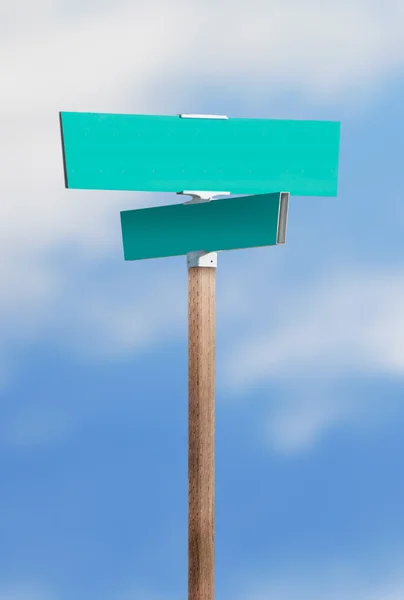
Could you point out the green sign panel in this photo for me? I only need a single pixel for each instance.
(172, 154)
(226, 224)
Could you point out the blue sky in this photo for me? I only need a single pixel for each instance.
(93, 350)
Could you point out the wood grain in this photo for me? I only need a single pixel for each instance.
(201, 432)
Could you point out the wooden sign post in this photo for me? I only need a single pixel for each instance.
(201, 431)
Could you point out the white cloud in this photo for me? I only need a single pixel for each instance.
(110, 322)
(344, 325)
(302, 415)
(350, 321)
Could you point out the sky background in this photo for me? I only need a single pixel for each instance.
(310, 335)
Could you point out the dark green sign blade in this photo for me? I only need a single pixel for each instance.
(227, 224)
(172, 154)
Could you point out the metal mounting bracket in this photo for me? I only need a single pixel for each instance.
(201, 259)
(189, 116)
(197, 196)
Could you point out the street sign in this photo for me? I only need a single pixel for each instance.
(176, 153)
(226, 224)
(201, 156)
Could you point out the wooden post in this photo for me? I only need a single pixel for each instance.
(201, 431)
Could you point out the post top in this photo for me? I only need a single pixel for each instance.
(202, 259)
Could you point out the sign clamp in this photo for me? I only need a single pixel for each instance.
(190, 116)
(197, 196)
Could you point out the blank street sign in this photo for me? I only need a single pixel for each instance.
(226, 224)
(172, 154)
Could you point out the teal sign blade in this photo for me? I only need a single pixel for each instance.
(227, 224)
(172, 154)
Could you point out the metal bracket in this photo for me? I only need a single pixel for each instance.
(201, 259)
(189, 116)
(197, 196)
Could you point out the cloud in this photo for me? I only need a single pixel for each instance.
(345, 325)
(106, 323)
(349, 321)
